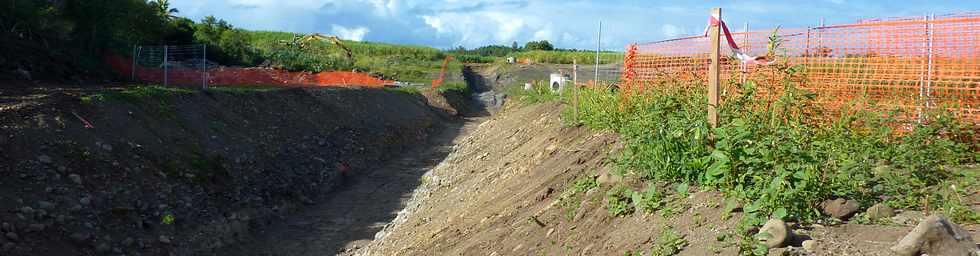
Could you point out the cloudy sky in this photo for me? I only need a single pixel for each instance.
(566, 23)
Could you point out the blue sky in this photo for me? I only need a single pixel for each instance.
(566, 23)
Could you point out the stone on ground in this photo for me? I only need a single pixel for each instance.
(840, 208)
(936, 235)
(779, 234)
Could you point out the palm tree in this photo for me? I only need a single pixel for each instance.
(163, 8)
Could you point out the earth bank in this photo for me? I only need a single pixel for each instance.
(172, 172)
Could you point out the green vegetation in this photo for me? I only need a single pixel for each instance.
(135, 94)
(669, 242)
(779, 157)
(778, 160)
(400, 62)
(404, 89)
(618, 201)
(538, 93)
(455, 86)
(567, 57)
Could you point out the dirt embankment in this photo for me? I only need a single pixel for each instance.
(183, 173)
(524, 184)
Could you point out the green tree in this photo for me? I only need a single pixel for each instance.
(543, 45)
(163, 9)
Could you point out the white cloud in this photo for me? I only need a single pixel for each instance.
(671, 31)
(353, 34)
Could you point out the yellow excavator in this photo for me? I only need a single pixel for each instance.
(301, 41)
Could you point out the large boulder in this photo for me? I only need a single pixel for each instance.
(936, 236)
(779, 233)
(840, 208)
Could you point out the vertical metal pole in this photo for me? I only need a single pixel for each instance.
(575, 90)
(745, 45)
(713, 70)
(165, 65)
(132, 79)
(204, 67)
(598, 48)
(822, 22)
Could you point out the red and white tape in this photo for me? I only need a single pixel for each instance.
(742, 56)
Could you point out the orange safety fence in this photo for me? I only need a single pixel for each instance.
(911, 64)
(237, 76)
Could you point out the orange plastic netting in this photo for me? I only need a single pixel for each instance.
(905, 63)
(235, 76)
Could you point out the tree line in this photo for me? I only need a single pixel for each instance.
(88, 29)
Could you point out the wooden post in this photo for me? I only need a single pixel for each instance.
(713, 70)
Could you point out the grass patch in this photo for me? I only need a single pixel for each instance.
(243, 89)
(456, 86)
(567, 57)
(135, 94)
(404, 89)
(537, 94)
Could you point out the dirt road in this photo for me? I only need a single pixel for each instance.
(349, 217)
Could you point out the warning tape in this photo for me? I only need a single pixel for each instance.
(742, 56)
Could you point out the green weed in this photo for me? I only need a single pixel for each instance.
(618, 201)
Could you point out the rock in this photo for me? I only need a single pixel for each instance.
(164, 239)
(840, 208)
(909, 217)
(44, 159)
(6, 227)
(45, 205)
(809, 245)
(102, 248)
(27, 210)
(128, 242)
(36, 227)
(75, 178)
(85, 201)
(608, 178)
(779, 234)
(879, 211)
(80, 239)
(544, 194)
(936, 235)
(12, 236)
(8, 246)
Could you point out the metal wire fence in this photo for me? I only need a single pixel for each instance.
(911, 64)
(188, 66)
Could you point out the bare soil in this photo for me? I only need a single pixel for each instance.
(500, 192)
(216, 164)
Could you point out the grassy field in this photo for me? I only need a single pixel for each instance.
(567, 57)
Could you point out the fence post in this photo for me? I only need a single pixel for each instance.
(713, 70)
(165, 65)
(598, 48)
(204, 67)
(575, 90)
(132, 79)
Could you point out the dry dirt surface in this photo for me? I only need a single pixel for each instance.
(184, 173)
(507, 189)
(349, 217)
